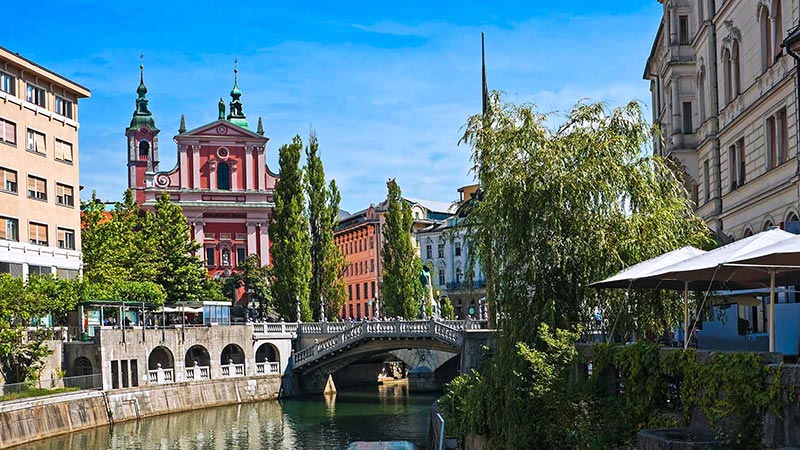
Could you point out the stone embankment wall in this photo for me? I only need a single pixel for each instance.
(37, 418)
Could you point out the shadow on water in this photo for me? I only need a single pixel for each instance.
(367, 413)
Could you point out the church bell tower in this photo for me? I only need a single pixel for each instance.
(142, 137)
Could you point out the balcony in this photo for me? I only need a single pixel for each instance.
(458, 285)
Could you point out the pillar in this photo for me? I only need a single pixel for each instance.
(195, 167)
(251, 238)
(199, 236)
(212, 175)
(261, 167)
(248, 169)
(184, 163)
(264, 243)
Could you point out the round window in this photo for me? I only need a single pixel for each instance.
(223, 152)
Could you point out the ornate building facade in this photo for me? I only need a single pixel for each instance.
(221, 180)
(723, 96)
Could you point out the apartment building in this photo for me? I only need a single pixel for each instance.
(39, 181)
(724, 99)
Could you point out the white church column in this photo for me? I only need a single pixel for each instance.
(264, 242)
(199, 236)
(248, 169)
(195, 167)
(184, 163)
(251, 238)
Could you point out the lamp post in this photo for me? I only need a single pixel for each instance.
(322, 317)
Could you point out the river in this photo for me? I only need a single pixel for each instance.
(367, 413)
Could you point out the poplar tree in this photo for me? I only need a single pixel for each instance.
(326, 258)
(402, 290)
(334, 290)
(291, 240)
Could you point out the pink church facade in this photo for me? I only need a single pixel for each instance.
(221, 181)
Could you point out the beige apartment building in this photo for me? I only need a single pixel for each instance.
(39, 182)
(724, 98)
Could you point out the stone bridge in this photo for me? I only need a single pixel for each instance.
(312, 364)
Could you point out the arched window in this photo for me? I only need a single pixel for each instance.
(778, 29)
(767, 225)
(748, 232)
(701, 94)
(766, 38)
(736, 75)
(223, 177)
(727, 75)
(792, 217)
(144, 148)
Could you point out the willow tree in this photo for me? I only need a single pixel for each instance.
(401, 290)
(291, 242)
(559, 208)
(563, 207)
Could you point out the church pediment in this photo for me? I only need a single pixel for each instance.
(222, 128)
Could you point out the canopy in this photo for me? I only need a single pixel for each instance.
(714, 265)
(636, 276)
(783, 256)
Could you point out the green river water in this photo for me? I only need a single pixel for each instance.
(369, 413)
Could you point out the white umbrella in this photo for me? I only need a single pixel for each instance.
(782, 258)
(637, 276)
(715, 268)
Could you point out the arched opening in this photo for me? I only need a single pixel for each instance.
(736, 69)
(160, 358)
(778, 31)
(727, 75)
(267, 353)
(766, 38)
(144, 149)
(197, 355)
(82, 367)
(225, 257)
(223, 177)
(767, 225)
(232, 361)
(747, 233)
(792, 217)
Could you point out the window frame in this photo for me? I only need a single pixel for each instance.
(36, 88)
(683, 30)
(46, 234)
(63, 101)
(67, 233)
(4, 180)
(13, 83)
(71, 204)
(59, 154)
(210, 261)
(3, 139)
(30, 137)
(5, 228)
(36, 196)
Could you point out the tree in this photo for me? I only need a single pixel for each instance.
(327, 260)
(560, 208)
(22, 352)
(334, 289)
(402, 290)
(255, 279)
(291, 241)
(448, 312)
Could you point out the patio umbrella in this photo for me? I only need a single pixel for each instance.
(781, 258)
(636, 277)
(716, 268)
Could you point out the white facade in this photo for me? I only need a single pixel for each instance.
(723, 96)
(444, 251)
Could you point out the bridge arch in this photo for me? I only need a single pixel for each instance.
(232, 352)
(82, 366)
(267, 352)
(197, 355)
(160, 357)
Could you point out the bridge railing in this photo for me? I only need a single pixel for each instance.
(339, 327)
(394, 329)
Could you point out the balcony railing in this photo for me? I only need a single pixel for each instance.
(233, 370)
(266, 368)
(478, 284)
(198, 373)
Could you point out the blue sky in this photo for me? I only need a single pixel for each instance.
(387, 86)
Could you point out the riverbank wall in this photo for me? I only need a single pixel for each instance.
(31, 419)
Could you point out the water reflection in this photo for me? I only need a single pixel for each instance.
(324, 422)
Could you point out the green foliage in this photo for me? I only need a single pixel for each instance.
(148, 247)
(327, 260)
(34, 392)
(255, 280)
(290, 237)
(563, 207)
(402, 290)
(448, 312)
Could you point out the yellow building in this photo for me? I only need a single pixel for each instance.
(39, 180)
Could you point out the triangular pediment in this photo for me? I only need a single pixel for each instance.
(221, 128)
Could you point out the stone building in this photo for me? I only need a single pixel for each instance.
(221, 180)
(39, 178)
(724, 98)
(444, 250)
(360, 237)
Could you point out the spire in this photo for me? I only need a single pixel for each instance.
(485, 86)
(182, 128)
(142, 115)
(236, 114)
(260, 126)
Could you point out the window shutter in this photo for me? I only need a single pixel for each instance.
(39, 143)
